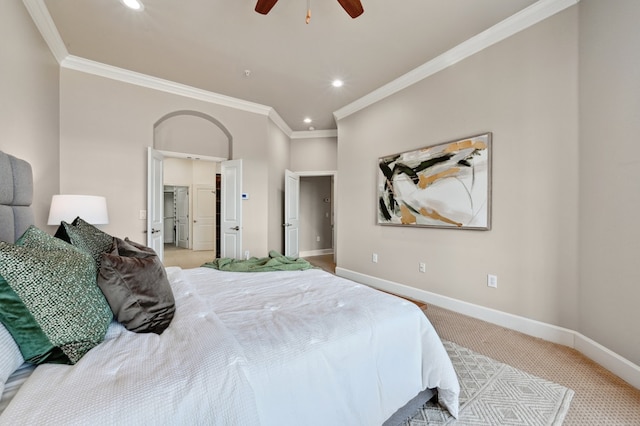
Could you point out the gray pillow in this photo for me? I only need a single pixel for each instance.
(135, 284)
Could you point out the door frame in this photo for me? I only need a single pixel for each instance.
(167, 154)
(334, 201)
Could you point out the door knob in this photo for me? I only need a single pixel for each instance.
(235, 228)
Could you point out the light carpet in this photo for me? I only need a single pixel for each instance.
(493, 393)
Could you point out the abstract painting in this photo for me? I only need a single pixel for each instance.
(445, 186)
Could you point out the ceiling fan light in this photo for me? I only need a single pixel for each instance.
(133, 4)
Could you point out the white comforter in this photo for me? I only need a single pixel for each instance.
(272, 348)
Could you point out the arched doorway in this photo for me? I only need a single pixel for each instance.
(193, 145)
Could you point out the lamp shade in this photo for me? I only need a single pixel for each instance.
(92, 209)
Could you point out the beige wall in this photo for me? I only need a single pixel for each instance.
(106, 127)
(29, 112)
(190, 133)
(524, 90)
(177, 171)
(609, 182)
(564, 185)
(279, 161)
(185, 172)
(314, 154)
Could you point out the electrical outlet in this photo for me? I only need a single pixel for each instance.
(374, 257)
(492, 281)
(422, 267)
(318, 238)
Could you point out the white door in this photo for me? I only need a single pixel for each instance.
(155, 200)
(204, 217)
(231, 209)
(182, 216)
(291, 213)
(169, 217)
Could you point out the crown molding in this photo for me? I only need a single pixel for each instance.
(144, 80)
(512, 25)
(313, 134)
(43, 21)
(41, 17)
(278, 121)
(520, 21)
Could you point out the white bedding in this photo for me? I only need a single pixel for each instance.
(272, 348)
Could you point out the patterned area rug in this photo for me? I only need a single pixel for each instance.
(492, 393)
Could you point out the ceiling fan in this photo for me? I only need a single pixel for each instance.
(352, 7)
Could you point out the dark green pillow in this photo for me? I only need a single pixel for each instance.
(49, 300)
(86, 237)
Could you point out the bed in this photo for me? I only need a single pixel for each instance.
(265, 348)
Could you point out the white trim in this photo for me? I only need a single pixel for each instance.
(512, 25)
(522, 20)
(278, 121)
(615, 363)
(610, 360)
(310, 134)
(143, 80)
(173, 154)
(41, 17)
(319, 252)
(311, 173)
(155, 83)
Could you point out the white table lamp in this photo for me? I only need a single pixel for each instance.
(92, 209)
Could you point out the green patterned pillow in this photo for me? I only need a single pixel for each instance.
(86, 237)
(49, 300)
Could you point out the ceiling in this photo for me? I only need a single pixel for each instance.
(212, 44)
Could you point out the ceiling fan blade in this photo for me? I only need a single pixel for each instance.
(264, 6)
(352, 7)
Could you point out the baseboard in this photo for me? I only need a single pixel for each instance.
(613, 362)
(320, 252)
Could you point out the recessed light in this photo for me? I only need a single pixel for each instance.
(337, 83)
(133, 4)
(311, 128)
(307, 120)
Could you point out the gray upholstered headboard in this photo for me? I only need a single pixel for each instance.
(16, 196)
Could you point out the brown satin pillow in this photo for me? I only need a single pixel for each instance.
(135, 284)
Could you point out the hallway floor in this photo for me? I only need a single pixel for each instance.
(324, 261)
(185, 258)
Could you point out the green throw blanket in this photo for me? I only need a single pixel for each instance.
(275, 262)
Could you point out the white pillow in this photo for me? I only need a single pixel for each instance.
(10, 356)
